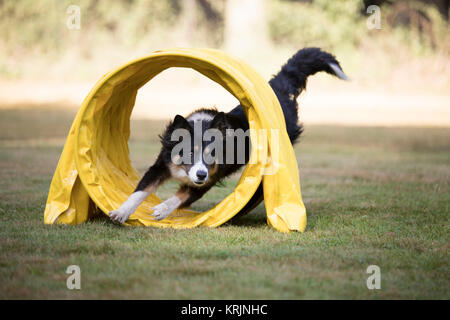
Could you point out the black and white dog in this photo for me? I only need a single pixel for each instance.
(197, 175)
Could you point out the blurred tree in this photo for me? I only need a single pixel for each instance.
(211, 13)
(413, 14)
(442, 5)
(188, 21)
(197, 14)
(214, 13)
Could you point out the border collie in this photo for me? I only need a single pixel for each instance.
(196, 172)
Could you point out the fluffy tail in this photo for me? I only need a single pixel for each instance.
(293, 75)
(287, 85)
(291, 80)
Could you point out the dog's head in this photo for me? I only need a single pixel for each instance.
(194, 146)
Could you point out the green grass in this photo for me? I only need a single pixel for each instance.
(373, 196)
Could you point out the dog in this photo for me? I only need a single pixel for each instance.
(197, 175)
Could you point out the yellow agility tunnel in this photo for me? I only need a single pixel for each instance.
(94, 170)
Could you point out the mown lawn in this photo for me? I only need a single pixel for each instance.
(374, 196)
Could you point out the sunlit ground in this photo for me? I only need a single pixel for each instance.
(374, 196)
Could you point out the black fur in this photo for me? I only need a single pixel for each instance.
(287, 85)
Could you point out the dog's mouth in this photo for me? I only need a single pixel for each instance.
(199, 182)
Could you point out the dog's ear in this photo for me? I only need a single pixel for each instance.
(220, 122)
(179, 122)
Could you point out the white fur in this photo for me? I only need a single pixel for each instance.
(179, 174)
(193, 171)
(338, 71)
(128, 207)
(200, 116)
(165, 208)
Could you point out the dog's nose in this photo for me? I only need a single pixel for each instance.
(201, 174)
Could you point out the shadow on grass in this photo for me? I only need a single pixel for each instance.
(255, 218)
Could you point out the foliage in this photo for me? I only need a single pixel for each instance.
(34, 37)
(328, 24)
(340, 24)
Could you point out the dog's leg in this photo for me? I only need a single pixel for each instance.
(165, 208)
(184, 197)
(151, 180)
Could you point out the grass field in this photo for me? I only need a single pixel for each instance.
(373, 195)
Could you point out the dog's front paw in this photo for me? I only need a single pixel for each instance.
(161, 211)
(119, 216)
